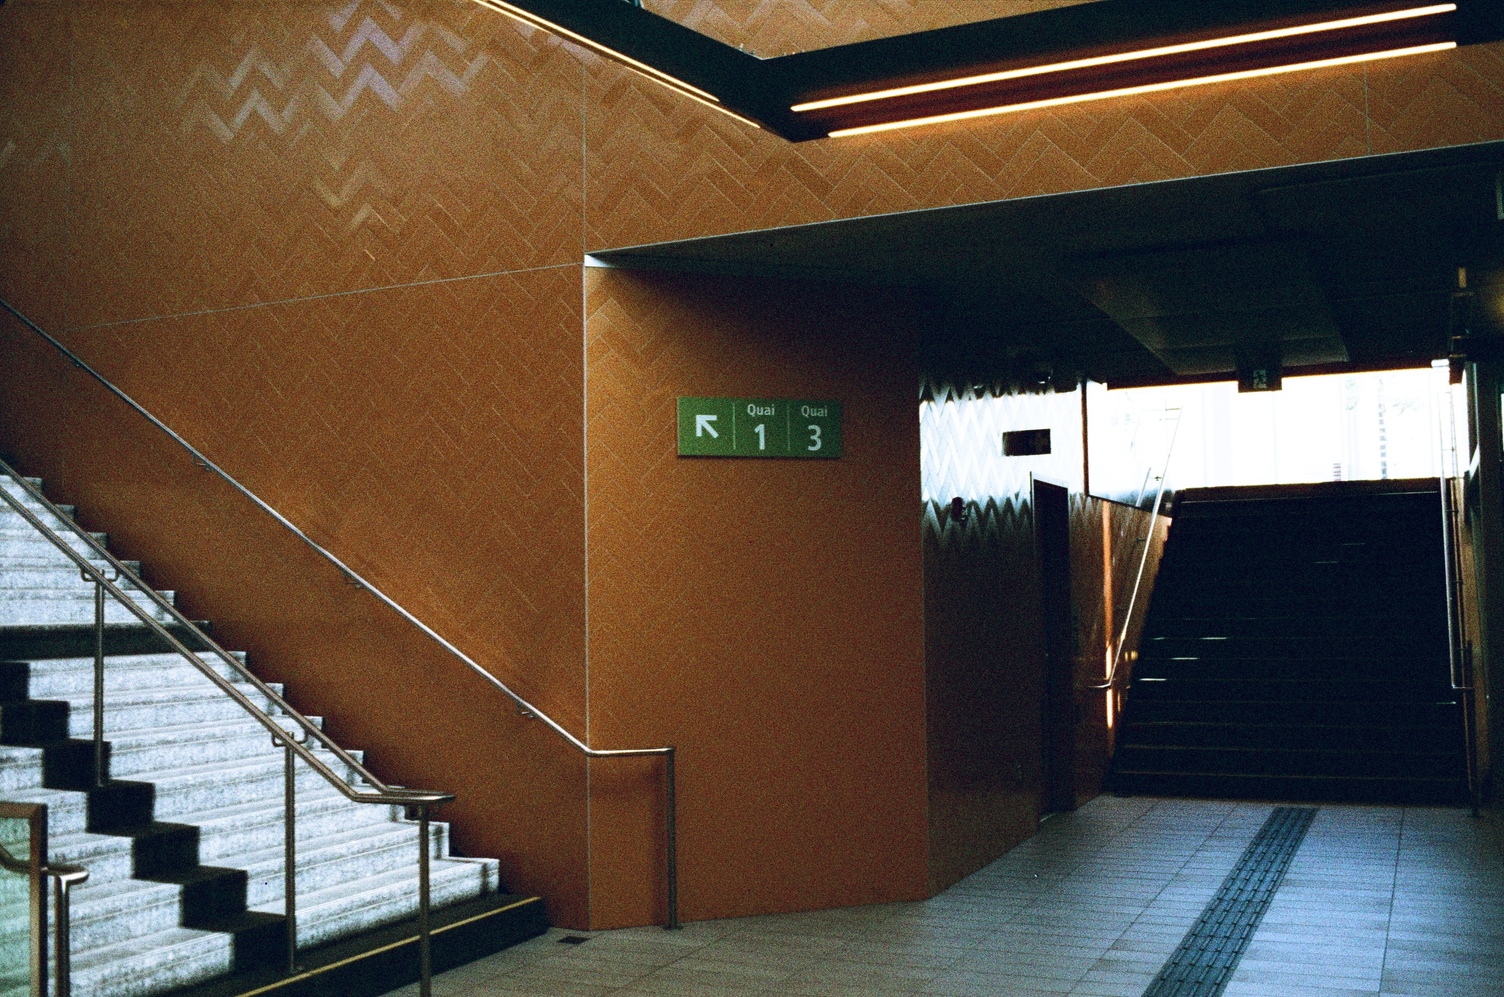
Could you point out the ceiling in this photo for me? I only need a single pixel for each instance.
(1345, 265)
(1059, 53)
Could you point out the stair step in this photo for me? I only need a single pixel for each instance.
(1211, 785)
(64, 678)
(152, 964)
(381, 899)
(1282, 761)
(1431, 676)
(1350, 737)
(1276, 694)
(194, 801)
(136, 708)
(33, 607)
(71, 640)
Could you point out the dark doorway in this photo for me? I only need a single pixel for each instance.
(1052, 545)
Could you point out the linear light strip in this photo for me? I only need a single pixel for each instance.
(1247, 74)
(675, 84)
(533, 20)
(657, 76)
(1148, 53)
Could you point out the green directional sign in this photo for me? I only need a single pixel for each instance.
(759, 427)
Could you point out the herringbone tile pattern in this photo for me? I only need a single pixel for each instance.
(229, 154)
(35, 150)
(660, 168)
(770, 28)
(167, 158)
(439, 459)
(408, 399)
(721, 590)
(1452, 99)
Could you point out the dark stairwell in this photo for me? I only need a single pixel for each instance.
(1296, 649)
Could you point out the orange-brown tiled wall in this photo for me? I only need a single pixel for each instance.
(778, 27)
(763, 616)
(338, 244)
(984, 656)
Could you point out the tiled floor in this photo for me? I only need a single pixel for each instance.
(1378, 900)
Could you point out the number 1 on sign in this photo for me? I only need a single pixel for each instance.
(761, 430)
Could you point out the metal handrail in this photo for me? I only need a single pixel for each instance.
(524, 707)
(420, 800)
(1460, 672)
(396, 796)
(1143, 561)
(66, 876)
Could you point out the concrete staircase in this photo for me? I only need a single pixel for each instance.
(184, 844)
(1296, 649)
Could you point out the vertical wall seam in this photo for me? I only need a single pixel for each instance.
(585, 463)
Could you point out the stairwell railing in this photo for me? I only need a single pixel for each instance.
(1459, 649)
(524, 708)
(38, 874)
(1112, 681)
(294, 740)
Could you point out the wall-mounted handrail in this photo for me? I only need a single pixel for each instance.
(523, 706)
(384, 793)
(1143, 561)
(420, 800)
(1459, 661)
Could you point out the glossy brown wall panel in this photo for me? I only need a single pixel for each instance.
(764, 616)
(35, 146)
(424, 720)
(264, 180)
(661, 169)
(233, 153)
(770, 28)
(984, 664)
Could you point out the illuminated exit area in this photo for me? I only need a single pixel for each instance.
(1248, 594)
(1369, 426)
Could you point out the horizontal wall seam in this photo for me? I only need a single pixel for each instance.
(311, 297)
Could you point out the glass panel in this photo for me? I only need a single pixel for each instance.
(768, 28)
(15, 910)
(1335, 427)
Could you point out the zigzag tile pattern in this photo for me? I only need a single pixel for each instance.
(660, 168)
(961, 453)
(768, 28)
(267, 152)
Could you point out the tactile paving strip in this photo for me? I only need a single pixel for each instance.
(1203, 963)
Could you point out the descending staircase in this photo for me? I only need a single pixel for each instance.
(1296, 648)
(184, 843)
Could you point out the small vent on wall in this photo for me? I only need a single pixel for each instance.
(1026, 443)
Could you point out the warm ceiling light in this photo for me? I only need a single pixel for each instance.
(1246, 74)
(1148, 53)
(675, 84)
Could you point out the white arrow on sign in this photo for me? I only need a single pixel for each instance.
(703, 426)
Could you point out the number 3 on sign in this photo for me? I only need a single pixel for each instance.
(814, 438)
